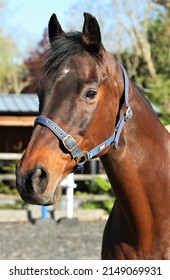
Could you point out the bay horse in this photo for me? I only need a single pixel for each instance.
(89, 108)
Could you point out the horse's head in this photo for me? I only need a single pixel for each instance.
(80, 92)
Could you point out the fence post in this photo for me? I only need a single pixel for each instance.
(44, 212)
(70, 206)
(69, 184)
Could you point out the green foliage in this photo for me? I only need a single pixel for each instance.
(5, 189)
(10, 166)
(18, 205)
(158, 93)
(99, 186)
(104, 204)
(80, 193)
(157, 88)
(158, 36)
(12, 69)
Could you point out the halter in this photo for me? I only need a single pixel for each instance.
(71, 145)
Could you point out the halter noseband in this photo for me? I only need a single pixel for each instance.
(71, 145)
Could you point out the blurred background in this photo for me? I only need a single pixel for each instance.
(136, 32)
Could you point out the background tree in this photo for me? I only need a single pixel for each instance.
(11, 68)
(158, 87)
(11, 64)
(165, 3)
(136, 32)
(141, 32)
(33, 64)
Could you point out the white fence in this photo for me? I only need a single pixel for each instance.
(68, 183)
(17, 156)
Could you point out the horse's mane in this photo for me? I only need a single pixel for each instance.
(142, 93)
(62, 49)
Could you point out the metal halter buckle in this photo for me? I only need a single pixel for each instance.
(69, 143)
(128, 114)
(83, 158)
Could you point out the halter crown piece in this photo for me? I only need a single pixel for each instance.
(71, 145)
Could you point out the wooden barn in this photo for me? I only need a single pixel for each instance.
(17, 115)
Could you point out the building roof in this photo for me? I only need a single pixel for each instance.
(27, 104)
(18, 104)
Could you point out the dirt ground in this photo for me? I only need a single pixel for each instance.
(67, 240)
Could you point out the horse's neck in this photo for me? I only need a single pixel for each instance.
(135, 168)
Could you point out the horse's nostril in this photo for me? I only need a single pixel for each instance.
(37, 173)
(38, 180)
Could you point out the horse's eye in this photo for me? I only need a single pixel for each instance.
(90, 94)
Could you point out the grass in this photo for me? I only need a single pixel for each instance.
(17, 205)
(104, 204)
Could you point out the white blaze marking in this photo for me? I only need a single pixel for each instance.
(63, 74)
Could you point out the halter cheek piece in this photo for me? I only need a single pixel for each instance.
(71, 145)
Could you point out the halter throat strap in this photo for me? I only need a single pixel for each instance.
(71, 145)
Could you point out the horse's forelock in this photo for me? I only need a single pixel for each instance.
(62, 49)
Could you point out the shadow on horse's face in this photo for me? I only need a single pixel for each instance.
(75, 93)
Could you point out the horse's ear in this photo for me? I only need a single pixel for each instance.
(91, 32)
(54, 28)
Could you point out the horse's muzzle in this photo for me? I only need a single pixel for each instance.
(32, 185)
